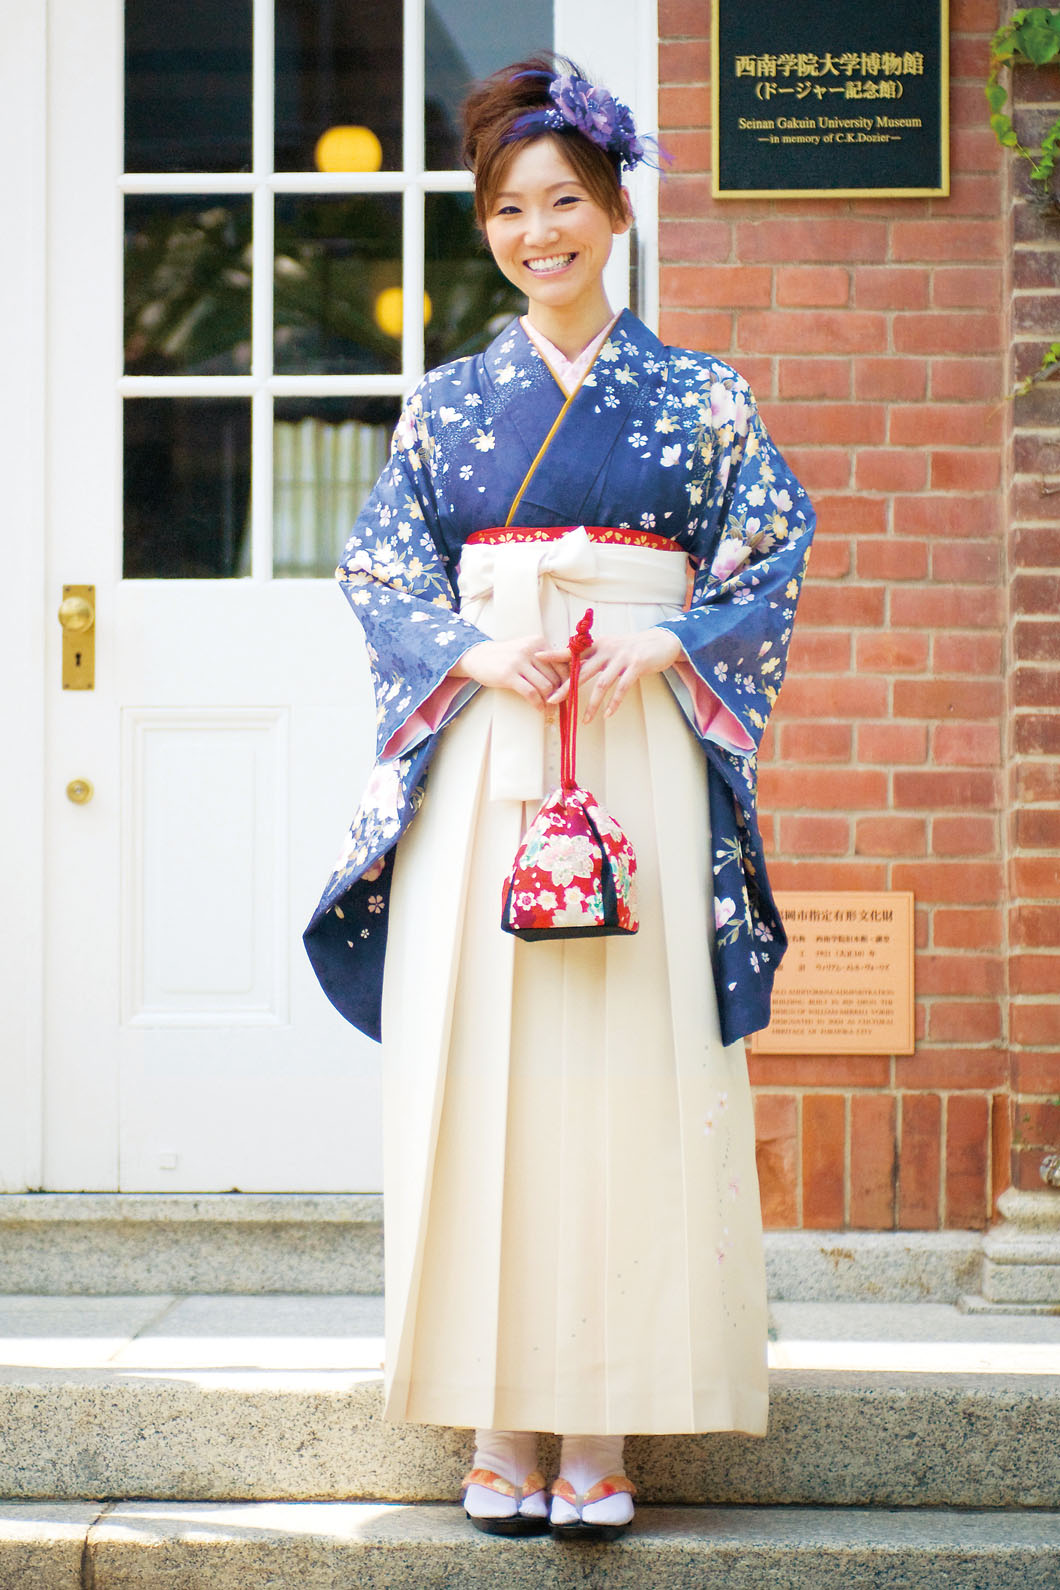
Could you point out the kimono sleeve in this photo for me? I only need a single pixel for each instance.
(393, 576)
(758, 523)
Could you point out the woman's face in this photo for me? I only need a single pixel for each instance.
(547, 234)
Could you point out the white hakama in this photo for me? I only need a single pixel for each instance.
(573, 1230)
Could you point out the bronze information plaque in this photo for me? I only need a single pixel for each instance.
(845, 985)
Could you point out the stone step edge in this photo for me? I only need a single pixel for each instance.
(223, 1546)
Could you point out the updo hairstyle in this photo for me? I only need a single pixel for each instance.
(490, 112)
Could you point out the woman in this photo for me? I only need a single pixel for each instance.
(572, 1219)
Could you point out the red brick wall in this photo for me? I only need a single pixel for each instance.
(1033, 827)
(873, 332)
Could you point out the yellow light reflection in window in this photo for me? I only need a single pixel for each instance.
(389, 308)
(348, 149)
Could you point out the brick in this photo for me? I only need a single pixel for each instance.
(970, 928)
(967, 1141)
(951, 424)
(964, 836)
(821, 469)
(969, 58)
(684, 19)
(1036, 593)
(814, 378)
(942, 698)
(967, 470)
(808, 697)
(1026, 1164)
(1038, 830)
(1037, 781)
(959, 974)
(852, 606)
(831, 559)
(891, 836)
(1036, 453)
(855, 515)
(697, 328)
(890, 469)
(947, 516)
(971, 16)
(1036, 640)
(684, 105)
(892, 651)
(813, 286)
(866, 875)
(884, 287)
(1035, 546)
(1037, 734)
(1034, 974)
(684, 195)
(1037, 1073)
(824, 330)
(823, 1159)
(934, 789)
(1033, 312)
(1036, 687)
(1034, 926)
(817, 651)
(816, 742)
(1036, 1024)
(1000, 1148)
(890, 380)
(1036, 267)
(966, 654)
(893, 743)
(966, 379)
(815, 836)
(694, 241)
(951, 882)
(776, 1132)
(715, 286)
(970, 194)
(840, 240)
(690, 151)
(1036, 1124)
(967, 744)
(967, 562)
(687, 61)
(872, 1161)
(1036, 877)
(819, 1071)
(967, 608)
(919, 1160)
(936, 332)
(972, 149)
(964, 1021)
(952, 1068)
(966, 287)
(886, 559)
(831, 789)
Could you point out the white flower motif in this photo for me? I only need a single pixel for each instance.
(647, 521)
(505, 375)
(484, 441)
(670, 455)
(375, 904)
(466, 472)
(448, 415)
(445, 636)
(724, 911)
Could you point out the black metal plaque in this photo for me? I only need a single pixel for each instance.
(838, 98)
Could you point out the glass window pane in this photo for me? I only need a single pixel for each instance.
(187, 285)
(338, 66)
(187, 86)
(327, 453)
(338, 284)
(187, 488)
(466, 40)
(470, 301)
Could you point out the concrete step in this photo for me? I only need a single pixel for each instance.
(119, 1244)
(320, 1546)
(226, 1398)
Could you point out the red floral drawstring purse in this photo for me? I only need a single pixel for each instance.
(573, 875)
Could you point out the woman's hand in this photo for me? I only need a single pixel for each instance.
(616, 661)
(525, 665)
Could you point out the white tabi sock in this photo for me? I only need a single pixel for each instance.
(583, 1461)
(513, 1455)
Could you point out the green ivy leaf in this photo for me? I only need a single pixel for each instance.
(1004, 131)
(996, 95)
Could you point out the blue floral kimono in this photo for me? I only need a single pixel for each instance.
(656, 439)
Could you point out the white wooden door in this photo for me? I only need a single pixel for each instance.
(186, 1045)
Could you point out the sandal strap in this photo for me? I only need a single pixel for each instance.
(535, 1481)
(611, 1485)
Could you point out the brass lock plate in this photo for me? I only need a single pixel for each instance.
(77, 615)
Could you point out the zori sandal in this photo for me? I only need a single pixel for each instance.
(577, 1526)
(516, 1522)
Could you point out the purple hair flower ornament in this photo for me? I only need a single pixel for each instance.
(591, 110)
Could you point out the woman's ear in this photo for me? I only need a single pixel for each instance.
(627, 215)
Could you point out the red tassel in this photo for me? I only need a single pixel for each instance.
(578, 644)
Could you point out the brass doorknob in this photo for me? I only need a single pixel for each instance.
(76, 614)
(80, 791)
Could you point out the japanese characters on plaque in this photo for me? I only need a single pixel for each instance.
(845, 985)
(835, 99)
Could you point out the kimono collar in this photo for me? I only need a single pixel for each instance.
(636, 345)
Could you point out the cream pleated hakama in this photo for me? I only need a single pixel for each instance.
(573, 1229)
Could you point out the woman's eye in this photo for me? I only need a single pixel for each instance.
(508, 209)
(569, 198)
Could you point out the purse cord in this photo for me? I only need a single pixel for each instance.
(579, 642)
